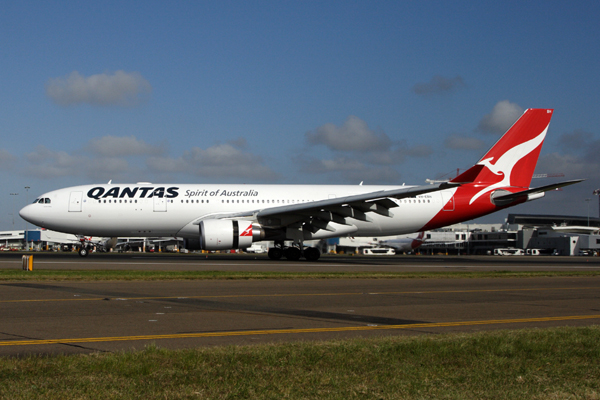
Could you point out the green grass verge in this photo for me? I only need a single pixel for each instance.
(128, 275)
(557, 363)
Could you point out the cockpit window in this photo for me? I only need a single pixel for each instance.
(44, 200)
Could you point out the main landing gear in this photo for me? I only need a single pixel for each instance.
(293, 253)
(84, 251)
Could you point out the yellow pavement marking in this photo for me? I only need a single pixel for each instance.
(301, 294)
(294, 331)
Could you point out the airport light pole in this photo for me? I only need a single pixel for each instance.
(26, 203)
(13, 213)
(597, 193)
(588, 203)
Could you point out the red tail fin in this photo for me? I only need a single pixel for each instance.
(511, 161)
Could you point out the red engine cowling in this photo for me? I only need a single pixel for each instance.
(222, 234)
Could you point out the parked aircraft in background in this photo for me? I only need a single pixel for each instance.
(404, 245)
(585, 230)
(219, 217)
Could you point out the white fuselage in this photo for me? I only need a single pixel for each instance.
(171, 210)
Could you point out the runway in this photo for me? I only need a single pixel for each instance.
(85, 317)
(327, 263)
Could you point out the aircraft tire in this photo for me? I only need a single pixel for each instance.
(292, 253)
(275, 253)
(83, 251)
(312, 254)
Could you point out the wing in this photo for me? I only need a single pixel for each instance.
(316, 215)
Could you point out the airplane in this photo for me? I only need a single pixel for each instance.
(231, 216)
(406, 244)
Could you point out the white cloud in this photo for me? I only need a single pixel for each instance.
(119, 89)
(104, 168)
(395, 155)
(166, 165)
(503, 115)
(571, 200)
(7, 160)
(45, 163)
(338, 164)
(578, 140)
(131, 159)
(420, 150)
(373, 175)
(578, 158)
(349, 170)
(357, 153)
(226, 160)
(115, 146)
(459, 142)
(353, 135)
(439, 85)
(571, 165)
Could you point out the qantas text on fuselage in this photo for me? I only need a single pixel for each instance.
(147, 192)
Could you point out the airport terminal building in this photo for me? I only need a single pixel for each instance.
(47, 240)
(519, 234)
(533, 234)
(35, 239)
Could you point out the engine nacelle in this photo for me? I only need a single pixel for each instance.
(222, 234)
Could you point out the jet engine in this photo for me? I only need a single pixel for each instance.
(222, 234)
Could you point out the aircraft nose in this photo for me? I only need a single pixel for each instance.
(30, 214)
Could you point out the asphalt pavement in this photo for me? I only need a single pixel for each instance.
(83, 317)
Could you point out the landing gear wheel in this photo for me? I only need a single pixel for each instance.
(292, 253)
(275, 253)
(312, 254)
(83, 251)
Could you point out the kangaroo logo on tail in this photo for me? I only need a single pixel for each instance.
(511, 161)
(505, 164)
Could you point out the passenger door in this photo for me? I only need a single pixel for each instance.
(75, 201)
(160, 204)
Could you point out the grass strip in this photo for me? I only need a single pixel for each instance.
(129, 275)
(555, 363)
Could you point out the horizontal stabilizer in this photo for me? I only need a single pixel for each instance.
(503, 199)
